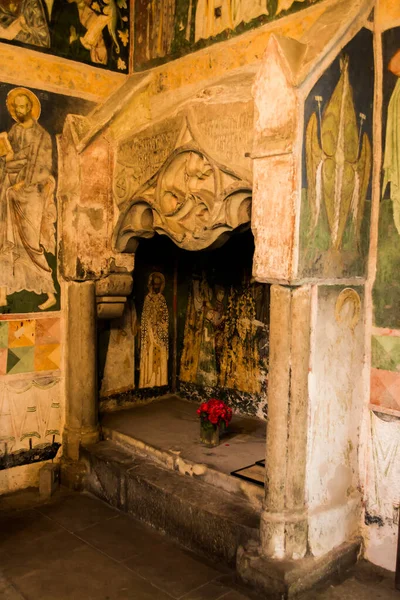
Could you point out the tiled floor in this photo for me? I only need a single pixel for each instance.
(78, 548)
(75, 547)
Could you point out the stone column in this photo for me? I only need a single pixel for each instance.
(284, 518)
(81, 426)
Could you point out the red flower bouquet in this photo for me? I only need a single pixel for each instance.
(215, 416)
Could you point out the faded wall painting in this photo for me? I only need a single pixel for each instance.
(335, 409)
(154, 335)
(29, 345)
(91, 31)
(30, 420)
(382, 504)
(29, 121)
(337, 165)
(167, 29)
(224, 328)
(386, 293)
(30, 409)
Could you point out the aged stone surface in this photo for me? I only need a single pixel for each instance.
(284, 521)
(287, 579)
(194, 192)
(81, 383)
(200, 516)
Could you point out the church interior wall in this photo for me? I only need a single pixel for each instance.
(335, 413)
(382, 445)
(31, 316)
(67, 73)
(32, 342)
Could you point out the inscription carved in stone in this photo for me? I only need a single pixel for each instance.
(141, 156)
(173, 178)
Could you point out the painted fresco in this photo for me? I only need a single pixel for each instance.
(382, 497)
(30, 345)
(223, 327)
(28, 172)
(338, 165)
(91, 31)
(222, 337)
(152, 304)
(30, 405)
(386, 291)
(154, 340)
(167, 29)
(30, 420)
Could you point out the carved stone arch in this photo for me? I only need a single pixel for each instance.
(192, 199)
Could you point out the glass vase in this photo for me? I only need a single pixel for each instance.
(209, 435)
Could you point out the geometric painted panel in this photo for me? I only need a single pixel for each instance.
(29, 345)
(21, 333)
(20, 360)
(47, 331)
(47, 357)
(385, 389)
(386, 352)
(3, 334)
(3, 361)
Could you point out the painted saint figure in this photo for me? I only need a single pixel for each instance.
(154, 335)
(24, 21)
(213, 17)
(27, 207)
(159, 27)
(202, 337)
(240, 358)
(391, 163)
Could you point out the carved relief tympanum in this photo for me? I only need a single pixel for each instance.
(191, 198)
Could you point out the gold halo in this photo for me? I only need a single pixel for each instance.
(36, 107)
(348, 295)
(150, 281)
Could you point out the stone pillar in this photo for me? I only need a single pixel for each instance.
(81, 427)
(284, 517)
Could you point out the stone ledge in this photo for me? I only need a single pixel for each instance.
(201, 517)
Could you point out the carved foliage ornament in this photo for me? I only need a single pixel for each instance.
(192, 199)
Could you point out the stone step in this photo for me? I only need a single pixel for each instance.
(202, 517)
(177, 461)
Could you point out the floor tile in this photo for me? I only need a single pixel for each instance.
(354, 590)
(121, 537)
(81, 574)
(175, 571)
(23, 527)
(78, 512)
(35, 552)
(234, 595)
(30, 498)
(210, 591)
(7, 590)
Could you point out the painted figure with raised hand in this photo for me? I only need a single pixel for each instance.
(27, 206)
